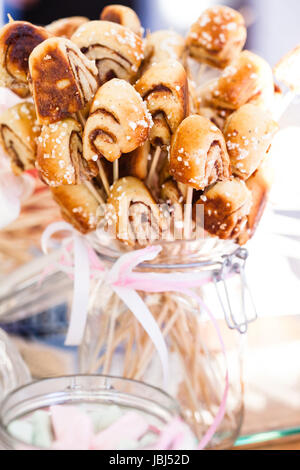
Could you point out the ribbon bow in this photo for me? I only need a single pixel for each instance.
(125, 283)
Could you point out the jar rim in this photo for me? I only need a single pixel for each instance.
(207, 253)
(161, 398)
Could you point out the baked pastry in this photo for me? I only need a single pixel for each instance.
(137, 161)
(217, 37)
(259, 184)
(163, 45)
(248, 132)
(17, 41)
(18, 134)
(227, 205)
(124, 16)
(66, 27)
(244, 81)
(63, 79)
(78, 206)
(117, 51)
(198, 154)
(115, 126)
(164, 88)
(287, 70)
(59, 154)
(133, 212)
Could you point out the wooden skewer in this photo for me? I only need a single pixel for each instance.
(188, 213)
(94, 192)
(116, 170)
(153, 165)
(103, 176)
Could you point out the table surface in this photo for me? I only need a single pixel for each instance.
(272, 381)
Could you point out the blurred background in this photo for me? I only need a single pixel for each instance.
(273, 375)
(273, 24)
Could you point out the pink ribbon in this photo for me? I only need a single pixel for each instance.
(125, 283)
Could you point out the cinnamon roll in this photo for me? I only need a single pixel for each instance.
(248, 132)
(78, 206)
(164, 88)
(137, 161)
(198, 154)
(66, 27)
(17, 41)
(59, 154)
(118, 52)
(245, 80)
(115, 126)
(124, 16)
(18, 134)
(163, 45)
(259, 184)
(227, 205)
(133, 212)
(217, 37)
(63, 79)
(287, 70)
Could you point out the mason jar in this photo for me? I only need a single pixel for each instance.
(154, 405)
(116, 343)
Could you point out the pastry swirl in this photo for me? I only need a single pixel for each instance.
(115, 126)
(245, 80)
(248, 132)
(259, 184)
(217, 37)
(133, 212)
(163, 45)
(117, 51)
(164, 88)
(17, 41)
(198, 154)
(63, 79)
(18, 134)
(78, 206)
(66, 27)
(124, 16)
(227, 205)
(59, 154)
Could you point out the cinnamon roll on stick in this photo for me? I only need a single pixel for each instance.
(63, 79)
(115, 126)
(137, 161)
(198, 154)
(78, 206)
(227, 205)
(245, 80)
(198, 158)
(248, 132)
(59, 155)
(164, 88)
(17, 41)
(172, 196)
(133, 212)
(117, 51)
(259, 184)
(18, 134)
(163, 45)
(217, 37)
(124, 16)
(287, 70)
(66, 27)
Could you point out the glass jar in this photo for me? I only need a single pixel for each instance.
(115, 343)
(13, 370)
(34, 310)
(83, 390)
